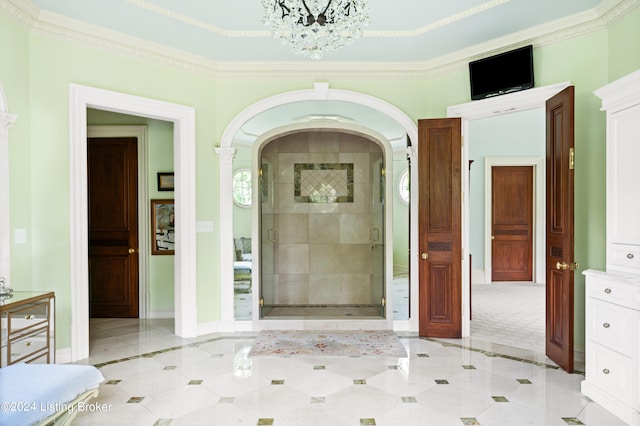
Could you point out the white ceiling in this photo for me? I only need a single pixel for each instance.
(405, 38)
(400, 30)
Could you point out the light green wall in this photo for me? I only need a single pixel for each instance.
(36, 71)
(160, 159)
(624, 38)
(55, 63)
(14, 78)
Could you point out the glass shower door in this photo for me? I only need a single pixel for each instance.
(268, 239)
(377, 236)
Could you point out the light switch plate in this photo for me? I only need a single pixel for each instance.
(21, 236)
(204, 226)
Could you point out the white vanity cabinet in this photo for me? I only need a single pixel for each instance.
(612, 312)
(621, 101)
(613, 342)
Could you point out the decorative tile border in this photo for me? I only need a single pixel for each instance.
(400, 336)
(171, 349)
(323, 182)
(488, 353)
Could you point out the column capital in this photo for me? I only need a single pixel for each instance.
(7, 120)
(225, 154)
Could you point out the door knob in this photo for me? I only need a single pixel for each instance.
(425, 256)
(493, 237)
(132, 250)
(564, 266)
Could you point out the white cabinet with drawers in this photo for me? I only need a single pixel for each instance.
(613, 342)
(621, 101)
(612, 314)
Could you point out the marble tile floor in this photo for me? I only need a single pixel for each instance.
(154, 378)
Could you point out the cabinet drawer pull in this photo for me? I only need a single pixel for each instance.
(630, 256)
(606, 371)
(607, 290)
(606, 325)
(28, 317)
(27, 344)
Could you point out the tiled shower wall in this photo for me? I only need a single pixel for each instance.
(323, 250)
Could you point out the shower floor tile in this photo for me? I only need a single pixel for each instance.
(324, 312)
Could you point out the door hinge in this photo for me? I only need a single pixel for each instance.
(572, 159)
(383, 172)
(260, 172)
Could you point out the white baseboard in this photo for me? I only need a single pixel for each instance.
(402, 325)
(63, 356)
(224, 327)
(477, 276)
(161, 314)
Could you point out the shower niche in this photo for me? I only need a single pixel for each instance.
(321, 227)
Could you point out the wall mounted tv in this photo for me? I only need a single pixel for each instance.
(501, 74)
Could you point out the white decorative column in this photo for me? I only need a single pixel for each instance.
(227, 316)
(6, 121)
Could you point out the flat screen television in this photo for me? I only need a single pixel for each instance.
(501, 74)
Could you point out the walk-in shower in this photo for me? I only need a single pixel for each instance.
(322, 218)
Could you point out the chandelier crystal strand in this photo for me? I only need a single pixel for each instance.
(313, 27)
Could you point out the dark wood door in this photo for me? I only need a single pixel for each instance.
(112, 167)
(512, 223)
(559, 235)
(440, 227)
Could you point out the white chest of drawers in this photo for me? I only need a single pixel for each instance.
(612, 298)
(613, 342)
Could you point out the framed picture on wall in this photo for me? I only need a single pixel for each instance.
(165, 181)
(163, 226)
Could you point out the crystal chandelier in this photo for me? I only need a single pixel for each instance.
(313, 27)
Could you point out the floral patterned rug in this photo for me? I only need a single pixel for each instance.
(350, 343)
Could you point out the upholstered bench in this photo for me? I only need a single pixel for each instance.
(41, 394)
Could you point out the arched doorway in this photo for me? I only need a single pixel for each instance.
(226, 152)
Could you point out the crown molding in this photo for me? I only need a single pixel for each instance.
(621, 93)
(54, 25)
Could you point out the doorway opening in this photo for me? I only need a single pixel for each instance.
(183, 118)
(322, 227)
(505, 307)
(481, 113)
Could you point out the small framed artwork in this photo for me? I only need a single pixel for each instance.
(163, 219)
(165, 181)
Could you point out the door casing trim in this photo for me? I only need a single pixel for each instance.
(184, 144)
